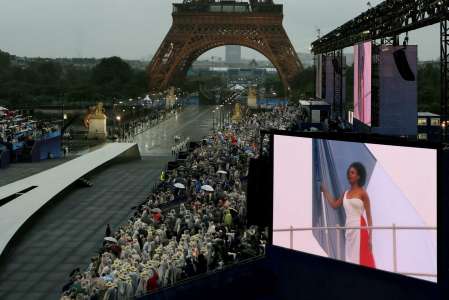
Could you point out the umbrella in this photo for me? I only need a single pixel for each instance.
(156, 210)
(179, 185)
(110, 239)
(207, 188)
(222, 172)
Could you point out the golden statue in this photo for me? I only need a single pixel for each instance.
(94, 112)
(237, 113)
(95, 121)
(99, 110)
(252, 97)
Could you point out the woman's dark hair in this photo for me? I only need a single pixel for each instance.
(361, 171)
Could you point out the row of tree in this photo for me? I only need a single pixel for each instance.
(428, 86)
(47, 82)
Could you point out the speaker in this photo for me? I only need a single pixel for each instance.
(400, 58)
(260, 193)
(336, 64)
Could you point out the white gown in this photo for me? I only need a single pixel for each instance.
(354, 210)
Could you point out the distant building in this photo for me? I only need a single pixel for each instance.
(429, 126)
(308, 60)
(233, 54)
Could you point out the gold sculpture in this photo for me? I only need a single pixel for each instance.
(99, 110)
(237, 113)
(94, 112)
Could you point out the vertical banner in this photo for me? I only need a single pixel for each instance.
(362, 82)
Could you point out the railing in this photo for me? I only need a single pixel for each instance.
(211, 8)
(223, 7)
(394, 228)
(207, 275)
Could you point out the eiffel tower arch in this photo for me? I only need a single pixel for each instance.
(201, 25)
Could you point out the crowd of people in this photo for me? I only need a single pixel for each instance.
(179, 145)
(17, 129)
(192, 223)
(125, 130)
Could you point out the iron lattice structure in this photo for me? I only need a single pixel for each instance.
(388, 19)
(199, 26)
(444, 49)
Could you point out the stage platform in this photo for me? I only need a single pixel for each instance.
(21, 199)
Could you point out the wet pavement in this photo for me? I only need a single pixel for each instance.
(193, 122)
(68, 232)
(17, 171)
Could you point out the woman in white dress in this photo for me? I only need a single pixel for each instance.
(356, 202)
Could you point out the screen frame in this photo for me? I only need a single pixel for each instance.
(442, 196)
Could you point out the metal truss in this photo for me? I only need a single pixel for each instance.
(386, 22)
(390, 18)
(444, 57)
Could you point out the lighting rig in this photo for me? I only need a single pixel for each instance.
(385, 22)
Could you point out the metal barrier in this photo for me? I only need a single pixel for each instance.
(207, 279)
(394, 228)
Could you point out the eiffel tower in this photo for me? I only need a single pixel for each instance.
(201, 25)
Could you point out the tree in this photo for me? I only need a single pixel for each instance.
(5, 60)
(429, 87)
(303, 86)
(113, 78)
(274, 84)
(111, 70)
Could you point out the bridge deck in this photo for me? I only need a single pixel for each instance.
(33, 192)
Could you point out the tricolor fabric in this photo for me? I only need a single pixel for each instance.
(331, 160)
(362, 82)
(415, 249)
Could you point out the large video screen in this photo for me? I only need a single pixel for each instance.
(362, 82)
(367, 204)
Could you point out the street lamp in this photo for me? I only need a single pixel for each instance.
(121, 132)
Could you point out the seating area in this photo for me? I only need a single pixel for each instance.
(194, 222)
(19, 133)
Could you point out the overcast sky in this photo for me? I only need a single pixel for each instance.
(133, 29)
